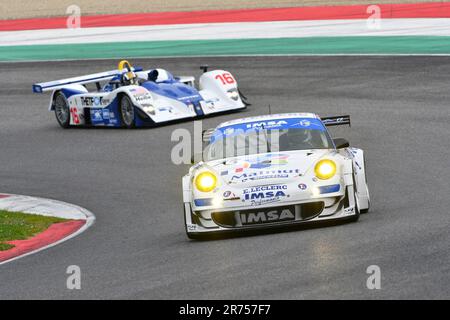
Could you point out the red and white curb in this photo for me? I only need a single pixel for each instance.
(79, 218)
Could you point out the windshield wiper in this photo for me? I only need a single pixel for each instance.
(269, 148)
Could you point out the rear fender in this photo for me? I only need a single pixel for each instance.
(68, 91)
(220, 83)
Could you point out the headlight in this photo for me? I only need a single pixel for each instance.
(233, 94)
(206, 181)
(325, 169)
(148, 108)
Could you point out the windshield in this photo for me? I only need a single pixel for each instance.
(257, 141)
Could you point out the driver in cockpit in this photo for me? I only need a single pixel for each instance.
(126, 78)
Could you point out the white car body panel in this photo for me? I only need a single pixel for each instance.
(241, 188)
(212, 96)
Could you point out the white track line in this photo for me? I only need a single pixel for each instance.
(235, 30)
(247, 55)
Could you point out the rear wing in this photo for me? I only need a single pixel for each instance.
(91, 78)
(336, 121)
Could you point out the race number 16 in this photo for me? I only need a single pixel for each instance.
(225, 78)
(74, 113)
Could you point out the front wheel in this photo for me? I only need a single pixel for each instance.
(366, 210)
(62, 110)
(355, 218)
(357, 212)
(126, 112)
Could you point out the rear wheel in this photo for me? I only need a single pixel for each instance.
(126, 112)
(62, 110)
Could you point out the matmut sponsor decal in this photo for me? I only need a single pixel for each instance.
(261, 175)
(265, 194)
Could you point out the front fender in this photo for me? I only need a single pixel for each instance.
(187, 195)
(140, 96)
(359, 169)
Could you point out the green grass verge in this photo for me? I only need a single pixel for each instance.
(21, 226)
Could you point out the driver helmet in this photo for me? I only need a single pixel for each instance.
(130, 78)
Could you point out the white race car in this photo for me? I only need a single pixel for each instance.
(131, 97)
(272, 171)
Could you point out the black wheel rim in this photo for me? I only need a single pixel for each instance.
(61, 110)
(127, 111)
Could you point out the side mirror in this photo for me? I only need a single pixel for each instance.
(204, 67)
(341, 143)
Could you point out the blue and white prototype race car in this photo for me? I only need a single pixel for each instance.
(271, 171)
(131, 97)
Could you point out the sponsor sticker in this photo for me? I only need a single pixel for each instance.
(142, 97)
(191, 227)
(264, 162)
(267, 124)
(228, 195)
(106, 114)
(103, 116)
(349, 210)
(265, 194)
(263, 175)
(305, 123)
(273, 215)
(302, 186)
(98, 115)
(94, 101)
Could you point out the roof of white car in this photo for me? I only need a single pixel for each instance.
(268, 117)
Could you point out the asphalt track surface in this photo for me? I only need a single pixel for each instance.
(137, 247)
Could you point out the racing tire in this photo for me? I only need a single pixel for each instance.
(365, 178)
(355, 218)
(365, 210)
(127, 112)
(196, 236)
(62, 110)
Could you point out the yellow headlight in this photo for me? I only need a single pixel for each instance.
(325, 169)
(206, 181)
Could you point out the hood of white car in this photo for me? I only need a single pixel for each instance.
(266, 168)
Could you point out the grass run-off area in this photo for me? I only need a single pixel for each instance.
(21, 226)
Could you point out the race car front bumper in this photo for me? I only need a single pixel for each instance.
(246, 218)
